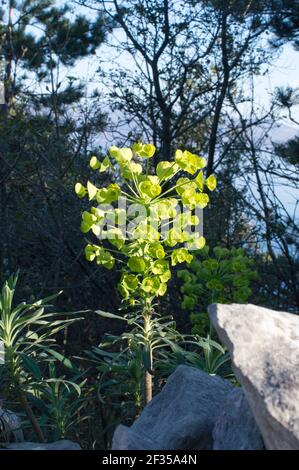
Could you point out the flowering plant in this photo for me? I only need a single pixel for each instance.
(147, 223)
(159, 229)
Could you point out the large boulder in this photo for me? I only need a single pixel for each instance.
(181, 416)
(58, 445)
(125, 438)
(235, 427)
(264, 346)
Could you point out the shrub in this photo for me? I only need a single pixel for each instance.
(224, 277)
(27, 335)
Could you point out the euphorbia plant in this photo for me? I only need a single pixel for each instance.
(220, 276)
(146, 222)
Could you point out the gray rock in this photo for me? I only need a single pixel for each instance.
(235, 428)
(125, 438)
(58, 445)
(264, 346)
(182, 415)
(10, 426)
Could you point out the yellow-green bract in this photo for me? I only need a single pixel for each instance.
(161, 239)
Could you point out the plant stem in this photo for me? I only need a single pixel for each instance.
(12, 363)
(27, 408)
(148, 386)
(148, 378)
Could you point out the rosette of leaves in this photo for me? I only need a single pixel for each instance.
(223, 276)
(154, 234)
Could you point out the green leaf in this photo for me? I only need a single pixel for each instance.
(189, 162)
(64, 360)
(113, 193)
(180, 255)
(108, 195)
(105, 259)
(163, 288)
(109, 315)
(156, 250)
(144, 150)
(94, 163)
(184, 183)
(200, 181)
(197, 244)
(121, 155)
(192, 198)
(166, 170)
(129, 281)
(80, 190)
(151, 285)
(131, 169)
(149, 189)
(105, 164)
(91, 251)
(211, 182)
(92, 190)
(31, 366)
(136, 264)
(160, 266)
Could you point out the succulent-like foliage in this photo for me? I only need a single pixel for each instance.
(222, 277)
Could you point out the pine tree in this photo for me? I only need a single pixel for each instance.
(47, 131)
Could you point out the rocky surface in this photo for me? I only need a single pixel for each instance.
(58, 445)
(125, 438)
(181, 416)
(264, 346)
(11, 425)
(235, 427)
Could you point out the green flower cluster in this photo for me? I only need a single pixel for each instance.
(224, 277)
(154, 245)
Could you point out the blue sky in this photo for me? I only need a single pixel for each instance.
(283, 72)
